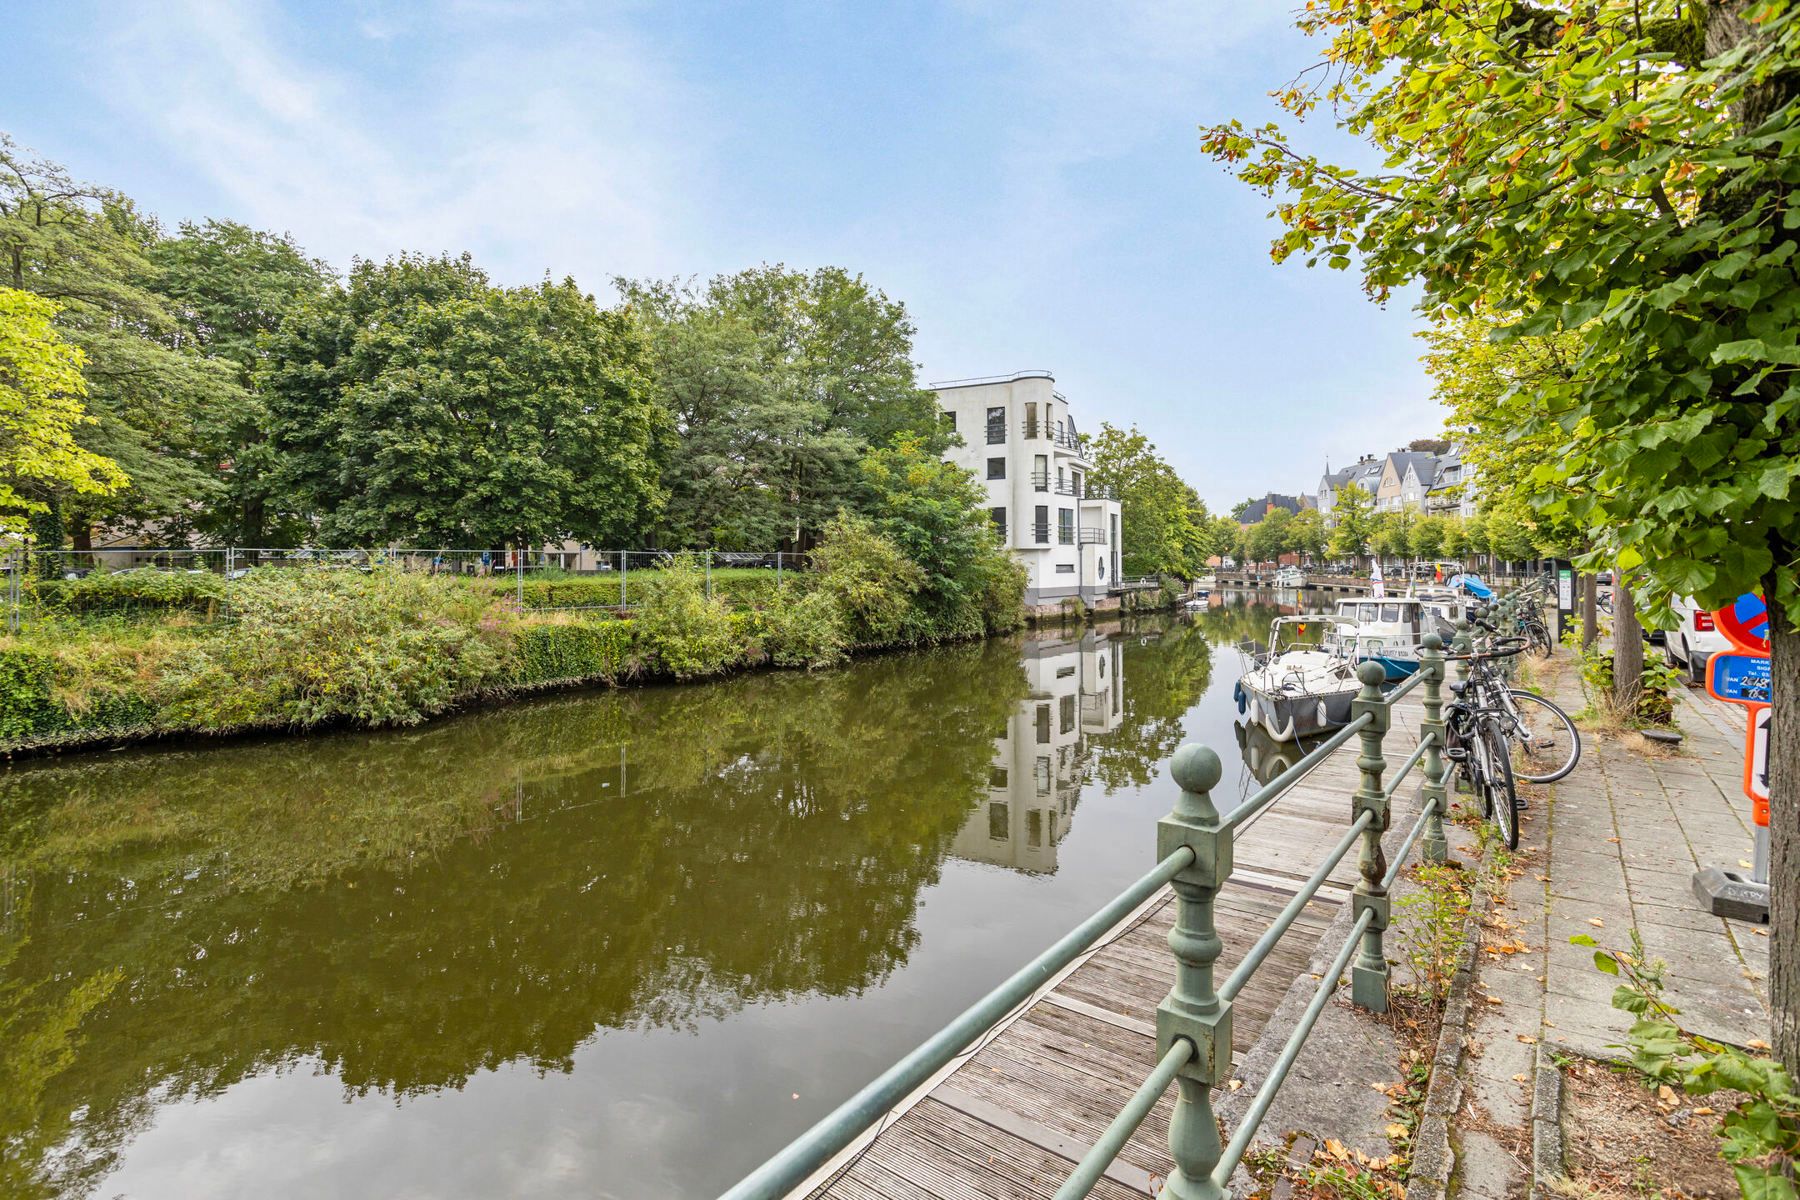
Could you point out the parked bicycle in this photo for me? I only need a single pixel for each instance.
(1497, 735)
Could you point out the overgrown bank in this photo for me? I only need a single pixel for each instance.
(305, 649)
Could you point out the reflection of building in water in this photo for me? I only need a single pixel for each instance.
(1035, 780)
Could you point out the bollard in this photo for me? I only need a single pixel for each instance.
(1193, 1009)
(1433, 848)
(1369, 976)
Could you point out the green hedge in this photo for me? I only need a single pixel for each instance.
(544, 654)
(125, 591)
(742, 588)
(29, 711)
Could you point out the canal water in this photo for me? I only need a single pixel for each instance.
(609, 944)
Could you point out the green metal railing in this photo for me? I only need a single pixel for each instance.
(1194, 847)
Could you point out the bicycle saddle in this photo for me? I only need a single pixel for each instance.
(1457, 686)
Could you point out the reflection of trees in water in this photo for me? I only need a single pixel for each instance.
(412, 908)
(1167, 667)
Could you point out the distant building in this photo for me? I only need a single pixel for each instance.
(1269, 503)
(1019, 437)
(1405, 480)
(1365, 473)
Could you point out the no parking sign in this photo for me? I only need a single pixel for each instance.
(1744, 679)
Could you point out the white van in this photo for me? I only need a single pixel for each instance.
(1694, 640)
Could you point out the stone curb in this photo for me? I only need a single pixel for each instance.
(1547, 1166)
(1432, 1158)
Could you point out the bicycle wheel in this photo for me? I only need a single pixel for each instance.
(1549, 744)
(1502, 798)
(1537, 640)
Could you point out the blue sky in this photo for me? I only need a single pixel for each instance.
(1025, 176)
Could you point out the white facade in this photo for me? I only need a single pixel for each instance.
(1019, 438)
(1035, 778)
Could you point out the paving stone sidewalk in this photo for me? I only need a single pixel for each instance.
(1611, 848)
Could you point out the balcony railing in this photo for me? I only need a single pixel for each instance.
(1066, 535)
(1040, 481)
(1040, 532)
(1092, 537)
(1100, 491)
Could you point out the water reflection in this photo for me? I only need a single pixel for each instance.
(1041, 756)
(405, 912)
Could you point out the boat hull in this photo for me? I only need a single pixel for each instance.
(1286, 717)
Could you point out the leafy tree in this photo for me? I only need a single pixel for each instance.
(871, 578)
(1429, 445)
(1390, 535)
(1308, 533)
(1272, 536)
(40, 410)
(1629, 174)
(936, 513)
(152, 396)
(1353, 521)
(1426, 540)
(779, 380)
(230, 285)
(1163, 523)
(752, 443)
(420, 404)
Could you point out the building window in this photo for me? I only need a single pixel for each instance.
(1043, 724)
(996, 468)
(1114, 522)
(998, 517)
(1065, 526)
(999, 822)
(1065, 568)
(997, 778)
(1040, 473)
(1040, 525)
(1075, 478)
(1031, 424)
(1067, 714)
(996, 426)
(1040, 770)
(1034, 828)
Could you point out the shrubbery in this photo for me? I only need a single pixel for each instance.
(124, 591)
(574, 651)
(690, 635)
(872, 582)
(805, 630)
(383, 648)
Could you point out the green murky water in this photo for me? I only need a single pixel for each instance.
(614, 944)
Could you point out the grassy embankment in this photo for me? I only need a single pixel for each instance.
(145, 653)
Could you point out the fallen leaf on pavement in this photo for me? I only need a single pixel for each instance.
(1521, 1078)
(1596, 922)
(1527, 1039)
(1757, 1044)
(1395, 1130)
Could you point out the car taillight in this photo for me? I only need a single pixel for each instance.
(1703, 622)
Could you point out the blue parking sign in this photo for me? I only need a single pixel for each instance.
(1739, 678)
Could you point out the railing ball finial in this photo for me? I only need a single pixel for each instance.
(1196, 768)
(1372, 674)
(1433, 642)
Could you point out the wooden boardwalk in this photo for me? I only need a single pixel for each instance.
(1011, 1120)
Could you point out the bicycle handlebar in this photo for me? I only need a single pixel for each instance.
(1503, 648)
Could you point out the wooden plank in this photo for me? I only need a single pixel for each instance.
(1012, 1120)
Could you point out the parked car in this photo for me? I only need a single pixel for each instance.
(1694, 640)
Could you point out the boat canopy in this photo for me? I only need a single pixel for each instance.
(1471, 584)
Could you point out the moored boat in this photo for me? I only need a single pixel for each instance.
(1303, 683)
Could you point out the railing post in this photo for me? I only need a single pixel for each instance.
(1461, 645)
(1369, 976)
(1193, 1008)
(1433, 848)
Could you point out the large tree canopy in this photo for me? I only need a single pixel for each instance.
(40, 410)
(779, 380)
(1164, 527)
(422, 404)
(1628, 174)
(154, 398)
(230, 286)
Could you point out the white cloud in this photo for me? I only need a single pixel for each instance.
(569, 154)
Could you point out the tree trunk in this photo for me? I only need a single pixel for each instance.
(1590, 610)
(1628, 649)
(1784, 833)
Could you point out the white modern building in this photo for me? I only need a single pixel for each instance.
(1019, 437)
(1039, 764)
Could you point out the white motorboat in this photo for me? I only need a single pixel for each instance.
(1303, 683)
(1388, 629)
(1290, 577)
